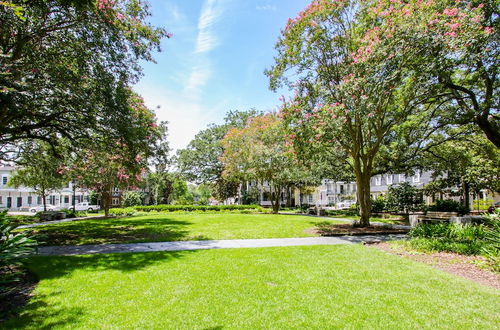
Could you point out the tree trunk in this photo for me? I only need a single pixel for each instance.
(106, 201)
(44, 201)
(275, 199)
(364, 199)
(288, 197)
(466, 189)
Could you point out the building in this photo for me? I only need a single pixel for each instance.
(22, 198)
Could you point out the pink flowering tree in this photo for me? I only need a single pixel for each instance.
(122, 162)
(452, 47)
(352, 100)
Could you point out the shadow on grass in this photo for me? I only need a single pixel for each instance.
(40, 314)
(113, 231)
(45, 311)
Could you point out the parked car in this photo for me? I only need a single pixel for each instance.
(85, 206)
(40, 208)
(492, 208)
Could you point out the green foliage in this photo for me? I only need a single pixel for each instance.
(120, 212)
(448, 205)
(464, 239)
(13, 245)
(74, 85)
(190, 208)
(492, 236)
(72, 214)
(93, 196)
(404, 197)
(132, 198)
(480, 204)
(379, 204)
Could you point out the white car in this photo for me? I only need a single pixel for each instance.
(345, 204)
(85, 206)
(40, 208)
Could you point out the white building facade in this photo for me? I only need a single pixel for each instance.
(22, 198)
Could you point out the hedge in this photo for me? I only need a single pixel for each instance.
(191, 208)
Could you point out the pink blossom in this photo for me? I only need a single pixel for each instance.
(120, 16)
(170, 35)
(450, 12)
(488, 30)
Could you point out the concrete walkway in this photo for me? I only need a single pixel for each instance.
(45, 223)
(204, 245)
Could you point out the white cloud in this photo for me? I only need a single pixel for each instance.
(267, 7)
(211, 12)
(197, 79)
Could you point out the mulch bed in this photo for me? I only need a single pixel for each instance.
(457, 264)
(15, 294)
(348, 229)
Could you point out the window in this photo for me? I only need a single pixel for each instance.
(1, 201)
(416, 177)
(310, 198)
(4, 180)
(19, 201)
(401, 178)
(66, 199)
(389, 178)
(39, 200)
(115, 201)
(378, 180)
(30, 200)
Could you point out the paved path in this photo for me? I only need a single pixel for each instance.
(203, 245)
(45, 223)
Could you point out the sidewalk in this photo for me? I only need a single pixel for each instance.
(215, 244)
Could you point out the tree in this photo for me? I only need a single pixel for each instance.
(476, 165)
(403, 197)
(160, 187)
(65, 68)
(119, 163)
(180, 192)
(352, 102)
(257, 152)
(453, 47)
(200, 161)
(132, 198)
(41, 171)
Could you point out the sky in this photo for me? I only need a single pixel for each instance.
(214, 62)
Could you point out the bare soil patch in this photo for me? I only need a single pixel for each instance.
(328, 229)
(465, 266)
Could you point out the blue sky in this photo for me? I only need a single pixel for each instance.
(215, 61)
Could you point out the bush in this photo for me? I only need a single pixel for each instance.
(481, 204)
(348, 212)
(449, 205)
(192, 208)
(13, 245)
(132, 198)
(378, 205)
(492, 236)
(122, 211)
(73, 214)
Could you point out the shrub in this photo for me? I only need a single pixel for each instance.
(122, 211)
(73, 214)
(132, 198)
(13, 245)
(449, 205)
(191, 208)
(378, 204)
(492, 236)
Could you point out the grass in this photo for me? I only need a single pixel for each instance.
(176, 227)
(313, 287)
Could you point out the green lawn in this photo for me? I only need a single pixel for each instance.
(314, 287)
(177, 227)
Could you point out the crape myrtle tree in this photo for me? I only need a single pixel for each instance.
(64, 66)
(120, 163)
(258, 152)
(40, 170)
(200, 161)
(352, 101)
(454, 47)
